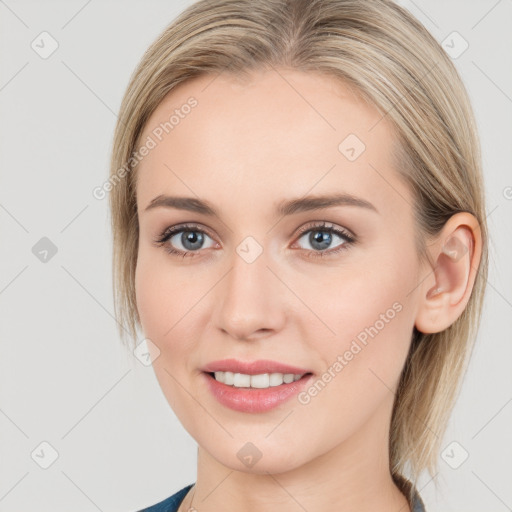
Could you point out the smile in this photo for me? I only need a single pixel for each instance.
(260, 381)
(265, 393)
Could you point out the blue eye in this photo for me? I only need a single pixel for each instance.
(321, 236)
(192, 238)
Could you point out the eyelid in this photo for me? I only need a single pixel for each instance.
(177, 228)
(305, 228)
(325, 225)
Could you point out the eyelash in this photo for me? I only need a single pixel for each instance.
(170, 232)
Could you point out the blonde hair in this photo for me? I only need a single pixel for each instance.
(386, 55)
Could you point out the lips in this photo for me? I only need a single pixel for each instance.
(254, 400)
(252, 367)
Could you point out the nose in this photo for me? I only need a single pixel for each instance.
(251, 301)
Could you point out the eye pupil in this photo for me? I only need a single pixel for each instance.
(320, 237)
(192, 237)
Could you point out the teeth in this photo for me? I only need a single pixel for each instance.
(261, 381)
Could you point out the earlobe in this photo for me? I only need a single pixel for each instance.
(446, 291)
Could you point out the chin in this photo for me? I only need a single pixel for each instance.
(257, 458)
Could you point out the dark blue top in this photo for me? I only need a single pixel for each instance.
(172, 503)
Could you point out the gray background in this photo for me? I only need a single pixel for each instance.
(65, 377)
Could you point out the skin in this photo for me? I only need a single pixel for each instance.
(246, 146)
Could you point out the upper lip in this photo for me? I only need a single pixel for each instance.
(252, 367)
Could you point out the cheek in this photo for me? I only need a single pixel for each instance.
(350, 304)
(363, 363)
(151, 303)
(159, 296)
(168, 301)
(372, 313)
(162, 309)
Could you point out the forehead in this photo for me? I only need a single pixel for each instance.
(274, 135)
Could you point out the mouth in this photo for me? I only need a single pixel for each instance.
(255, 393)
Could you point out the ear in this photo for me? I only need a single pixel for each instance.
(456, 254)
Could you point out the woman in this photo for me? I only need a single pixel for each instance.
(299, 230)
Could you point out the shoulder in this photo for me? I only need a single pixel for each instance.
(171, 503)
(411, 493)
(417, 503)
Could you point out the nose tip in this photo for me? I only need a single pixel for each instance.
(245, 334)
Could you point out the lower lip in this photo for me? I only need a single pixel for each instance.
(254, 399)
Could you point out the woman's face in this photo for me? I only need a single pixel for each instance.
(263, 278)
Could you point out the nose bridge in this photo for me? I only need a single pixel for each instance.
(248, 300)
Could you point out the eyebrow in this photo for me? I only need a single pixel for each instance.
(283, 208)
